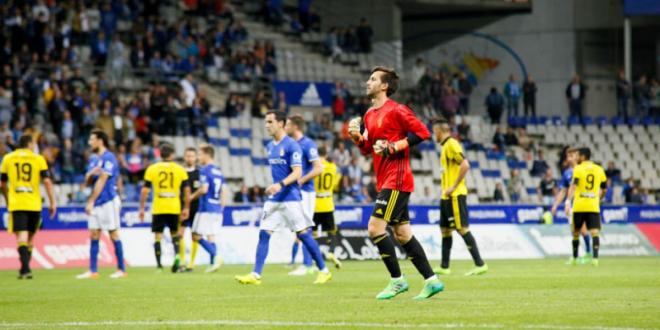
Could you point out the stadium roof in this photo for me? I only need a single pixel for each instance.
(420, 9)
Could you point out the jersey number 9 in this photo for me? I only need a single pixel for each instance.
(590, 182)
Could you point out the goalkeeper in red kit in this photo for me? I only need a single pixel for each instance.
(390, 129)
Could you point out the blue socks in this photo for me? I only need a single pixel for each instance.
(294, 251)
(94, 256)
(307, 257)
(209, 247)
(310, 244)
(262, 251)
(119, 252)
(587, 243)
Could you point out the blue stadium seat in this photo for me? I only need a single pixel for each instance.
(511, 121)
(517, 121)
(491, 173)
(79, 178)
(616, 121)
(633, 121)
(491, 154)
(573, 120)
(587, 120)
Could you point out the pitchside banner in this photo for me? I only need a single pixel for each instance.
(503, 232)
(615, 240)
(357, 216)
(237, 245)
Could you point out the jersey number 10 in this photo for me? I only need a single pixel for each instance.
(325, 181)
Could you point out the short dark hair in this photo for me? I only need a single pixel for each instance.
(166, 150)
(586, 152)
(102, 136)
(323, 151)
(298, 121)
(207, 149)
(24, 140)
(191, 149)
(279, 115)
(389, 77)
(439, 121)
(442, 122)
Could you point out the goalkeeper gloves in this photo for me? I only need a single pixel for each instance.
(385, 148)
(354, 130)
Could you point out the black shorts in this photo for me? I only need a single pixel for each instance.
(189, 222)
(592, 219)
(326, 220)
(454, 213)
(24, 221)
(392, 206)
(160, 221)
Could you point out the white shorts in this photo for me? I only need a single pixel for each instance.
(106, 216)
(308, 203)
(284, 215)
(206, 223)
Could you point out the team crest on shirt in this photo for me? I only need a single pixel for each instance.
(281, 152)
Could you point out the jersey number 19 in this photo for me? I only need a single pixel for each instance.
(23, 172)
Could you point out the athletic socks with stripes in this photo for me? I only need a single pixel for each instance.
(387, 254)
(418, 257)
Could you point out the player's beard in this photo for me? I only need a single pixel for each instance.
(95, 150)
(370, 93)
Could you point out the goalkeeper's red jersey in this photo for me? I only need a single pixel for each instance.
(393, 122)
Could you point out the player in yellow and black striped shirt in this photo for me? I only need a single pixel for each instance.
(22, 171)
(587, 189)
(324, 208)
(166, 178)
(453, 204)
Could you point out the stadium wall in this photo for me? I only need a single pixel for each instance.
(502, 231)
(546, 41)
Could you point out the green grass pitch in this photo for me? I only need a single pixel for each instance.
(623, 293)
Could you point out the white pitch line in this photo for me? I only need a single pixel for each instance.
(266, 323)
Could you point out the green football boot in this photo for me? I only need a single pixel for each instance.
(394, 288)
(431, 288)
(442, 271)
(478, 270)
